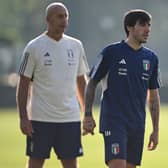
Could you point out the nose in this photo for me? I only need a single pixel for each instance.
(148, 27)
(65, 19)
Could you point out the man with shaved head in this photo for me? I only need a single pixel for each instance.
(52, 81)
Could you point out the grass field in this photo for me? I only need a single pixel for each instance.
(12, 145)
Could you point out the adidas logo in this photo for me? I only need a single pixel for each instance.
(122, 61)
(47, 54)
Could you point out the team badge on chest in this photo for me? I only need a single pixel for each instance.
(146, 65)
(71, 57)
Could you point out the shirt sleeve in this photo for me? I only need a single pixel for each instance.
(27, 65)
(83, 67)
(100, 70)
(155, 80)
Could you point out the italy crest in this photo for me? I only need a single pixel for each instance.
(146, 65)
(115, 149)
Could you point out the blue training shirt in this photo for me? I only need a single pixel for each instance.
(126, 75)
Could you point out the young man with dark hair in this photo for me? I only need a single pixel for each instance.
(129, 75)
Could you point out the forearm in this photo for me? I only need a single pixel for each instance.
(22, 96)
(154, 107)
(81, 85)
(89, 97)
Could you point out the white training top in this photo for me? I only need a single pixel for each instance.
(54, 67)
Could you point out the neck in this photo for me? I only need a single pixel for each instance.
(54, 35)
(133, 43)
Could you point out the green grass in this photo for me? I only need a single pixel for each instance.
(12, 145)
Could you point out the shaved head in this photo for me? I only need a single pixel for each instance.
(51, 7)
(57, 19)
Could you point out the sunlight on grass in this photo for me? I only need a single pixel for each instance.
(12, 144)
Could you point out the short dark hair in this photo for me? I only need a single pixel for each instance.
(132, 16)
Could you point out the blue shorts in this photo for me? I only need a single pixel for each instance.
(65, 138)
(123, 143)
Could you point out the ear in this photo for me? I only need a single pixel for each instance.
(129, 28)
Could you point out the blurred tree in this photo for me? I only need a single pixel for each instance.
(19, 19)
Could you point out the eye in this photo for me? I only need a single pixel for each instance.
(142, 24)
(61, 16)
(149, 24)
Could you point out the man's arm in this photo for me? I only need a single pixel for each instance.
(89, 96)
(21, 99)
(89, 122)
(154, 107)
(81, 84)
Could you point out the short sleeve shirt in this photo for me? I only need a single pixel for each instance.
(54, 67)
(126, 75)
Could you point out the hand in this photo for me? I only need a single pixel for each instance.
(26, 126)
(153, 141)
(88, 125)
